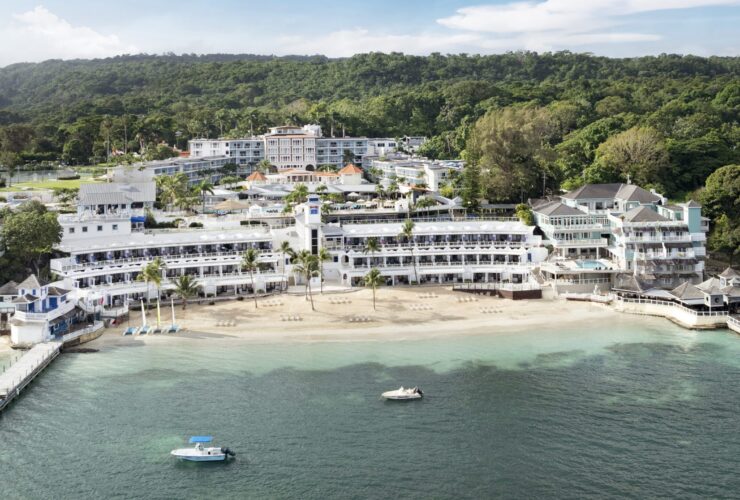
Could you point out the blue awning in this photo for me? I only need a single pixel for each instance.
(201, 439)
(138, 219)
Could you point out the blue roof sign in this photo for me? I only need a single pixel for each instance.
(201, 439)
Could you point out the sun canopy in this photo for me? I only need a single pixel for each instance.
(230, 205)
(201, 439)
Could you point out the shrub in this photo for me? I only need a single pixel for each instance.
(196, 224)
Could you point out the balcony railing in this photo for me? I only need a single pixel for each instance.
(664, 255)
(46, 315)
(436, 246)
(579, 243)
(658, 239)
(66, 265)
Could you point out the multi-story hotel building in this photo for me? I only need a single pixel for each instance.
(289, 147)
(636, 231)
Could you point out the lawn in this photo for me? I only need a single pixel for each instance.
(50, 184)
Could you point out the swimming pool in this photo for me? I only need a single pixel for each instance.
(590, 264)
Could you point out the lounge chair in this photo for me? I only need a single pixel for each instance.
(130, 330)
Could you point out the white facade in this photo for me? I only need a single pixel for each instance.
(640, 234)
(413, 171)
(196, 169)
(289, 147)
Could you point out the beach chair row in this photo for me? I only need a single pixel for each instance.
(226, 323)
(293, 317)
(420, 307)
(272, 303)
(332, 300)
(360, 319)
(467, 299)
(490, 310)
(428, 296)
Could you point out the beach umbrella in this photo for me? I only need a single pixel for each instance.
(230, 206)
(353, 195)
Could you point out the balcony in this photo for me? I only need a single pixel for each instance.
(665, 255)
(589, 242)
(658, 239)
(68, 264)
(49, 315)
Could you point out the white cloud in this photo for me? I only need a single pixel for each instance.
(40, 34)
(561, 24)
(560, 15)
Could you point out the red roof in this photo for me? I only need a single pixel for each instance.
(350, 169)
(257, 176)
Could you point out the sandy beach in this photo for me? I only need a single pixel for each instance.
(402, 314)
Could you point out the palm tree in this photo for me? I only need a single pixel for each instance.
(249, 263)
(392, 189)
(372, 245)
(204, 188)
(264, 166)
(380, 191)
(307, 265)
(285, 249)
(407, 233)
(425, 202)
(323, 255)
(299, 193)
(186, 287)
(152, 273)
(373, 279)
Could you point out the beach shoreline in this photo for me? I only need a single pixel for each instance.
(402, 314)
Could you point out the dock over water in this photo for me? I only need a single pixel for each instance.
(19, 375)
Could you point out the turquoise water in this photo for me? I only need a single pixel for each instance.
(636, 409)
(590, 264)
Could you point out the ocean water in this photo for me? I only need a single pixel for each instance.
(634, 409)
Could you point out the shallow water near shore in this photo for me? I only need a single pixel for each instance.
(639, 408)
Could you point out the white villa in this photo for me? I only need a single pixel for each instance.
(622, 228)
(413, 171)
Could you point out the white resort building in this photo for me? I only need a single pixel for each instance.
(290, 147)
(600, 230)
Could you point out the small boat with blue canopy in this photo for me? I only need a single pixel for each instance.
(200, 453)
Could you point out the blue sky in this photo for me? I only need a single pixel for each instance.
(34, 30)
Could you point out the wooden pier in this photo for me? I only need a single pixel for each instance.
(512, 291)
(14, 379)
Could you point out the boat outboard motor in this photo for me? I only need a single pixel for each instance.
(227, 452)
(421, 393)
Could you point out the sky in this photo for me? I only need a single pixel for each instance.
(36, 30)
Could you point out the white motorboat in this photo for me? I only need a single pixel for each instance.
(200, 453)
(402, 394)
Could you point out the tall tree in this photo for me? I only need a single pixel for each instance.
(638, 153)
(29, 235)
(407, 234)
(512, 147)
(249, 263)
(373, 279)
(186, 287)
(307, 266)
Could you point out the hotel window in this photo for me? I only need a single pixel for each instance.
(71, 230)
(84, 229)
(115, 227)
(100, 228)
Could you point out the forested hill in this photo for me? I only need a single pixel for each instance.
(142, 83)
(666, 121)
